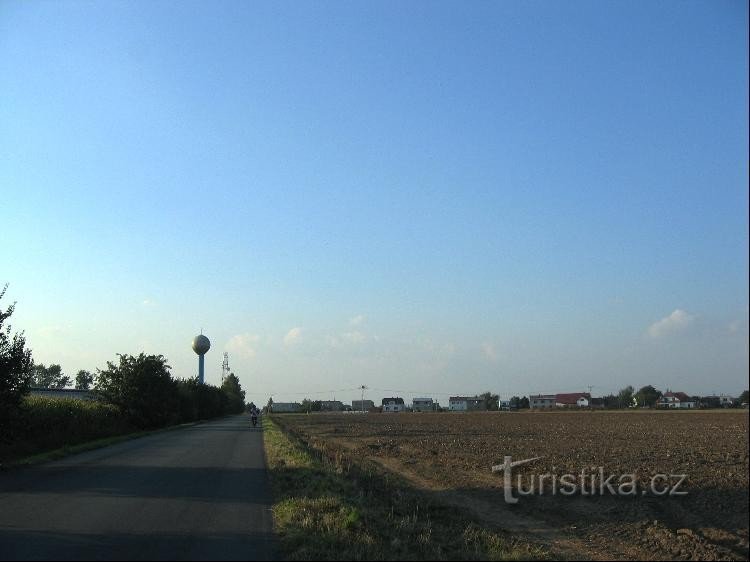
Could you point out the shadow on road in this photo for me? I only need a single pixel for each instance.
(36, 545)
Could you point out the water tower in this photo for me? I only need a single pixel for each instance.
(201, 345)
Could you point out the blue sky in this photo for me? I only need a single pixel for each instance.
(429, 197)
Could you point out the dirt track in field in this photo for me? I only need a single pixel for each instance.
(449, 456)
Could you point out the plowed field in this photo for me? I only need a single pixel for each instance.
(450, 457)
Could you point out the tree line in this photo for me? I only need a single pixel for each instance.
(139, 389)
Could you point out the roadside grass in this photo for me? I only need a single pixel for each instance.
(329, 508)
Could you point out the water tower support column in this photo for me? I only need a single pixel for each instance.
(201, 345)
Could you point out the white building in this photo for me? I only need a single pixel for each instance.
(542, 401)
(465, 403)
(458, 404)
(675, 400)
(393, 405)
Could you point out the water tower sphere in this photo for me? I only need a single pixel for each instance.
(201, 344)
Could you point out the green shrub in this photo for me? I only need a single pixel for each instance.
(200, 401)
(44, 424)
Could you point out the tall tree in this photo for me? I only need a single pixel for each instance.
(15, 366)
(84, 380)
(491, 401)
(235, 395)
(142, 388)
(625, 397)
(49, 377)
(647, 396)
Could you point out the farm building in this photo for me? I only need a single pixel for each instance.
(393, 405)
(423, 405)
(542, 401)
(675, 400)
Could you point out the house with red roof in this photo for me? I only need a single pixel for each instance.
(675, 400)
(573, 400)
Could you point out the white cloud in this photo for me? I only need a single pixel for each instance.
(358, 320)
(489, 351)
(243, 345)
(148, 303)
(292, 336)
(678, 321)
(353, 337)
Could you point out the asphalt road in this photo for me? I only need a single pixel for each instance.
(197, 493)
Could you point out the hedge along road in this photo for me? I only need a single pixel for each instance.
(196, 493)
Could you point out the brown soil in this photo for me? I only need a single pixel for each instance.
(448, 457)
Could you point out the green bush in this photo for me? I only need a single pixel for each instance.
(44, 424)
(200, 401)
(142, 389)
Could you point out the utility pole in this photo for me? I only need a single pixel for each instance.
(362, 399)
(225, 367)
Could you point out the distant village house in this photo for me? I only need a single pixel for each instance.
(465, 403)
(393, 405)
(423, 405)
(362, 405)
(675, 400)
(564, 400)
(286, 407)
(331, 406)
(542, 401)
(573, 400)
